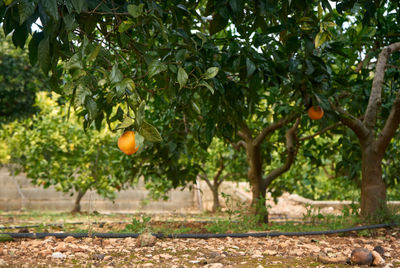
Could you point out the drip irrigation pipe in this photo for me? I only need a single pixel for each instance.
(201, 236)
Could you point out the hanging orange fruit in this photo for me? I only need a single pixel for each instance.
(315, 112)
(127, 143)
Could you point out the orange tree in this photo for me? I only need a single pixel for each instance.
(54, 150)
(364, 95)
(237, 69)
(208, 66)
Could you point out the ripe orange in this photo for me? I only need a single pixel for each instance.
(315, 112)
(127, 143)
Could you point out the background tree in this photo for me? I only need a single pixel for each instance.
(55, 151)
(19, 82)
(221, 163)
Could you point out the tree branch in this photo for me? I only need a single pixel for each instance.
(322, 131)
(291, 150)
(391, 125)
(204, 178)
(219, 172)
(239, 144)
(245, 132)
(272, 127)
(352, 122)
(376, 91)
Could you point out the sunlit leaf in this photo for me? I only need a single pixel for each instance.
(211, 72)
(149, 132)
(182, 77)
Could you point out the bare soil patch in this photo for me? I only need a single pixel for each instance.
(227, 252)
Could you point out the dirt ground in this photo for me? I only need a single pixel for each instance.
(227, 252)
(282, 251)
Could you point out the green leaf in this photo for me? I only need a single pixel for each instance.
(79, 5)
(135, 11)
(116, 75)
(140, 113)
(70, 22)
(125, 25)
(320, 38)
(149, 132)
(91, 106)
(250, 67)
(139, 140)
(51, 8)
(81, 93)
(196, 107)
(126, 123)
(20, 35)
(218, 23)
(129, 84)
(207, 85)
(211, 72)
(156, 67)
(44, 54)
(33, 47)
(26, 8)
(94, 53)
(182, 77)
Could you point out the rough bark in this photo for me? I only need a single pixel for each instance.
(373, 188)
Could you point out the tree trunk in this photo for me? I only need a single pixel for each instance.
(77, 205)
(216, 205)
(258, 189)
(373, 188)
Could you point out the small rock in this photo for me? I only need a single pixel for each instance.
(108, 258)
(378, 260)
(61, 247)
(361, 256)
(322, 257)
(50, 240)
(380, 250)
(149, 264)
(98, 256)
(3, 263)
(69, 239)
(387, 254)
(270, 252)
(45, 252)
(214, 265)
(58, 255)
(146, 240)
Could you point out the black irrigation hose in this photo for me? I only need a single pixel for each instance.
(201, 236)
